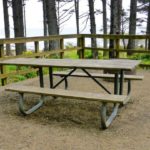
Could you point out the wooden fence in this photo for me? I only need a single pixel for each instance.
(80, 47)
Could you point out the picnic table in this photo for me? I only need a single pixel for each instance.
(118, 66)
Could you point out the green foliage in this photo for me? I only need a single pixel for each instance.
(10, 68)
(145, 58)
(100, 55)
(71, 54)
(88, 54)
(19, 78)
(27, 52)
(140, 56)
(31, 75)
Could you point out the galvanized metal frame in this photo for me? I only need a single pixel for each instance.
(51, 77)
(129, 87)
(33, 108)
(105, 119)
(41, 77)
(118, 89)
(94, 79)
(65, 79)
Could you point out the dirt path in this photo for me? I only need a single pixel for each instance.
(74, 125)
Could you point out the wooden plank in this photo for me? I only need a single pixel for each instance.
(119, 50)
(58, 37)
(36, 45)
(61, 47)
(38, 38)
(2, 67)
(98, 75)
(69, 94)
(19, 72)
(81, 43)
(113, 64)
(116, 36)
(51, 52)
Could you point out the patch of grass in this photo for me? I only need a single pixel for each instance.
(145, 58)
(71, 54)
(16, 78)
(10, 68)
(88, 54)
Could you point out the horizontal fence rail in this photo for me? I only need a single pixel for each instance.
(80, 47)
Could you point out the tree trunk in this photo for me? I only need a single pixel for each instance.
(93, 27)
(58, 15)
(52, 22)
(119, 11)
(148, 26)
(104, 24)
(132, 24)
(6, 24)
(76, 3)
(45, 25)
(24, 18)
(18, 24)
(115, 23)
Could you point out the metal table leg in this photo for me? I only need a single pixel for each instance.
(32, 109)
(116, 83)
(51, 77)
(107, 120)
(121, 82)
(129, 87)
(41, 77)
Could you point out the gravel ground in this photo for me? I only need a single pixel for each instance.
(62, 124)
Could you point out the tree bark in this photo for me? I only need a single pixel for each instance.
(93, 27)
(45, 25)
(132, 24)
(76, 3)
(104, 24)
(18, 24)
(148, 26)
(24, 18)
(119, 10)
(7, 26)
(115, 23)
(52, 22)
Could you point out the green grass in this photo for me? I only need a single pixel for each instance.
(145, 58)
(71, 54)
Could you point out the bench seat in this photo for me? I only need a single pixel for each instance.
(69, 94)
(98, 75)
(104, 98)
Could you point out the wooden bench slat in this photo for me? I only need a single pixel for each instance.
(69, 94)
(99, 75)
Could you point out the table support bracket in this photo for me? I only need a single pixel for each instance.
(107, 120)
(100, 84)
(65, 79)
(33, 108)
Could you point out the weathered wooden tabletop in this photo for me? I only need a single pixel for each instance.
(113, 64)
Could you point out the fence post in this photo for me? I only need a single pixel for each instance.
(2, 67)
(36, 47)
(81, 42)
(117, 47)
(61, 47)
(36, 44)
